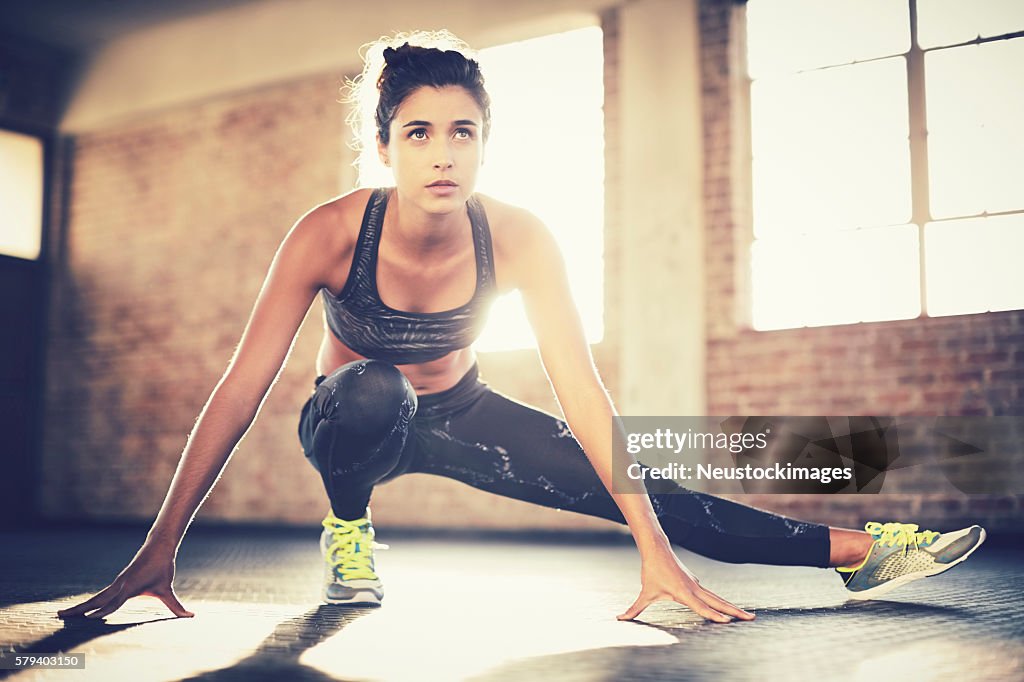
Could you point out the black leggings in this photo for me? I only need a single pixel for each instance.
(364, 424)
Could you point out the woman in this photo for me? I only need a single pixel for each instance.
(407, 274)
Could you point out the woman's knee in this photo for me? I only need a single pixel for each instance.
(365, 396)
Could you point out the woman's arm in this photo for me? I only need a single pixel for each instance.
(296, 274)
(540, 275)
(292, 282)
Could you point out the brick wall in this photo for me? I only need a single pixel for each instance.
(958, 365)
(173, 219)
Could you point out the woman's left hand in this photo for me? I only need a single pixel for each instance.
(663, 576)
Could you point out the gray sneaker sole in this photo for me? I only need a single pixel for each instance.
(357, 598)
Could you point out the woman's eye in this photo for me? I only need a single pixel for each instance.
(463, 133)
(418, 134)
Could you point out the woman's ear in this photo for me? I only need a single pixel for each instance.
(382, 152)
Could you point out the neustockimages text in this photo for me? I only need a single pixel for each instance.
(748, 472)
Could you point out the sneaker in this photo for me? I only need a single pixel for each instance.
(347, 548)
(902, 554)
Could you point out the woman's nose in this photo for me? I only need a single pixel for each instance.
(444, 158)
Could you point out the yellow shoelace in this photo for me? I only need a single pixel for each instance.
(890, 534)
(900, 534)
(350, 553)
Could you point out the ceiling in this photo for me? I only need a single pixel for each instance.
(80, 26)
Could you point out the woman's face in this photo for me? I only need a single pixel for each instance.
(436, 147)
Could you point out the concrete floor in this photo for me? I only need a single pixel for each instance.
(460, 609)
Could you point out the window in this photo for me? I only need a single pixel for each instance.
(886, 175)
(21, 195)
(546, 154)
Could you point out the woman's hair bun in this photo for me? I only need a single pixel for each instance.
(393, 56)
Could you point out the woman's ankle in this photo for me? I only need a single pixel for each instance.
(849, 548)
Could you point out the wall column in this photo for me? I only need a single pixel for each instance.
(663, 279)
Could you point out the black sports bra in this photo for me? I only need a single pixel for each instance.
(361, 321)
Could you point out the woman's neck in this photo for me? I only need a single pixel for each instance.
(420, 232)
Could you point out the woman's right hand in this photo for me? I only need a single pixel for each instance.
(663, 576)
(150, 573)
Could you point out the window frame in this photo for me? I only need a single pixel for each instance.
(920, 216)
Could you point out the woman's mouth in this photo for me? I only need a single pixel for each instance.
(442, 187)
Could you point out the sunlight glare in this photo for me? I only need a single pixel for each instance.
(973, 265)
(827, 279)
(975, 139)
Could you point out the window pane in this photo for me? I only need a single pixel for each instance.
(831, 149)
(21, 195)
(947, 22)
(975, 139)
(784, 36)
(855, 276)
(973, 265)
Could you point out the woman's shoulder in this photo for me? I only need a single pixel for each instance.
(339, 214)
(333, 226)
(522, 242)
(511, 223)
(326, 235)
(514, 228)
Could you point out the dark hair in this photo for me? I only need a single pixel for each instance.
(409, 67)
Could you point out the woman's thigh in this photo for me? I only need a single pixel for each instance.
(505, 447)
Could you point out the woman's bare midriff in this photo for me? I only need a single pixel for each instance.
(428, 377)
